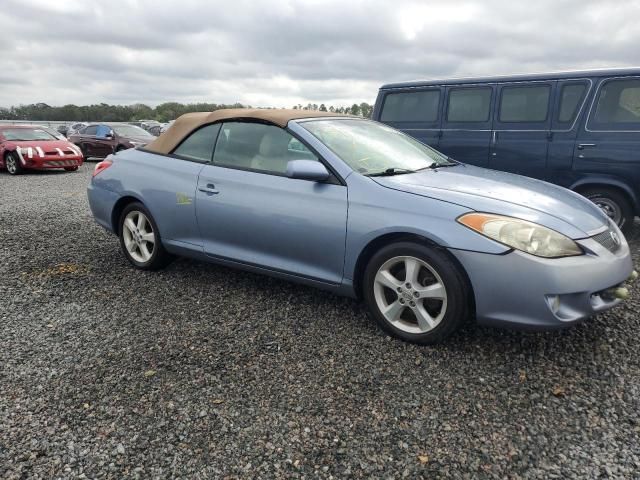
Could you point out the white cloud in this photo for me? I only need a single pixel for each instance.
(284, 52)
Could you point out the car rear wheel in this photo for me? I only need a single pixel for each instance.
(12, 164)
(140, 240)
(614, 205)
(416, 293)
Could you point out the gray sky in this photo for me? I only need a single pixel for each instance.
(280, 53)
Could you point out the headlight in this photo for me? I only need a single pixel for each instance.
(522, 235)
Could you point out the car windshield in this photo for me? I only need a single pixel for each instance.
(373, 148)
(27, 134)
(130, 131)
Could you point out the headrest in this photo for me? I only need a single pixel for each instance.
(274, 143)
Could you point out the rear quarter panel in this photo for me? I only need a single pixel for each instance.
(165, 185)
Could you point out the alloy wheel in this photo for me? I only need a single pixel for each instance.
(10, 164)
(410, 294)
(138, 235)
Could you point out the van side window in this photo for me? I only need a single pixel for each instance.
(199, 145)
(618, 105)
(411, 106)
(524, 104)
(570, 97)
(469, 105)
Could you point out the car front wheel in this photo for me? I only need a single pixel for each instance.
(12, 164)
(416, 293)
(140, 240)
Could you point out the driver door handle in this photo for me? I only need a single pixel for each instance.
(582, 146)
(209, 189)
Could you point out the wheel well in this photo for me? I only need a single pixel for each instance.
(389, 238)
(585, 187)
(117, 210)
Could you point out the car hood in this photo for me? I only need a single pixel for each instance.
(504, 193)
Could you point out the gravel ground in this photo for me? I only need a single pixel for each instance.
(204, 371)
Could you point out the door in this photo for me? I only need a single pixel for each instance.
(249, 211)
(568, 109)
(466, 123)
(87, 137)
(522, 128)
(415, 112)
(609, 144)
(103, 143)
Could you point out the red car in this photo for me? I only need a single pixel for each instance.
(32, 147)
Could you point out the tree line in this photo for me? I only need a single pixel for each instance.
(164, 112)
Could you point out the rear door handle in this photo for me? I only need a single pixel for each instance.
(209, 189)
(582, 146)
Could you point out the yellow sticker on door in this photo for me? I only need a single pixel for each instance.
(182, 199)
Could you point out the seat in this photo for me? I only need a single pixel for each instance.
(272, 154)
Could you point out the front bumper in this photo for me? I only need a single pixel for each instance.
(51, 162)
(527, 292)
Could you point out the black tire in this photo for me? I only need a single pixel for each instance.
(160, 258)
(458, 294)
(12, 164)
(84, 154)
(70, 169)
(614, 204)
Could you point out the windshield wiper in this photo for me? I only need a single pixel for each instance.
(391, 171)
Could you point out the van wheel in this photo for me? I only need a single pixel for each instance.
(140, 239)
(415, 293)
(614, 205)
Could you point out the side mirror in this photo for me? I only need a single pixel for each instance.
(307, 170)
(109, 135)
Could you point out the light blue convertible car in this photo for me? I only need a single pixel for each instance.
(359, 208)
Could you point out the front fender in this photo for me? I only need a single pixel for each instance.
(376, 211)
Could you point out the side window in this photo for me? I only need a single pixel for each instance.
(199, 145)
(421, 106)
(256, 146)
(102, 131)
(524, 104)
(297, 149)
(469, 105)
(618, 106)
(571, 95)
(90, 130)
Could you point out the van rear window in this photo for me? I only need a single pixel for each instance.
(420, 106)
(524, 104)
(618, 106)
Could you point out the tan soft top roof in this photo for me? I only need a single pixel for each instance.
(189, 122)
